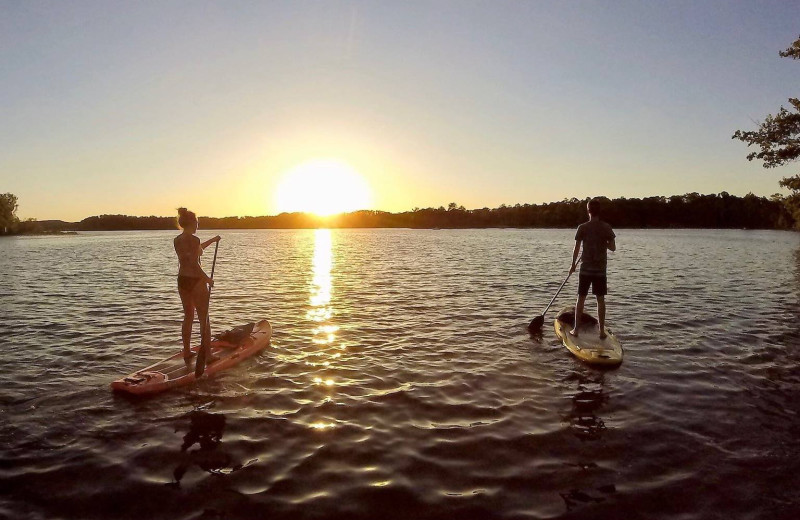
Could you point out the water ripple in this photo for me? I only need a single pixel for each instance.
(401, 382)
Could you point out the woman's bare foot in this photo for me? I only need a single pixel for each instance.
(187, 356)
(603, 334)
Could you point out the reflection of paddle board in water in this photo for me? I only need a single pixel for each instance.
(588, 346)
(229, 348)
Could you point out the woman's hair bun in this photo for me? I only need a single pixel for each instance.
(185, 216)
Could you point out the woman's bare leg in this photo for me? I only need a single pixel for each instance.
(188, 317)
(200, 299)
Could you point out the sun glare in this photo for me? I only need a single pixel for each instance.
(323, 187)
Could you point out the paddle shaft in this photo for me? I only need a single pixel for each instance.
(557, 292)
(213, 265)
(537, 322)
(200, 365)
(208, 307)
(562, 286)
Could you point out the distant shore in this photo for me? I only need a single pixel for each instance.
(692, 211)
(41, 234)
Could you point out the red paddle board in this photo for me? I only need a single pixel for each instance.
(173, 371)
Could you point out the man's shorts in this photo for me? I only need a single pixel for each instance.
(599, 284)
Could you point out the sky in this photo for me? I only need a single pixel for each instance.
(140, 107)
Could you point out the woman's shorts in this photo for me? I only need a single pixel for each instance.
(599, 285)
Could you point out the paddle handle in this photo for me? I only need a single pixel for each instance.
(214, 262)
(213, 265)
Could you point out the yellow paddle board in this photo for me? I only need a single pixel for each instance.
(588, 346)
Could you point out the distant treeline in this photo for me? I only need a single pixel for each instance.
(680, 211)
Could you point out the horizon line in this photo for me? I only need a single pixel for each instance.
(458, 207)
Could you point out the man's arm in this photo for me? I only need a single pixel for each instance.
(612, 245)
(575, 253)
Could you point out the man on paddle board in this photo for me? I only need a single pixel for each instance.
(193, 283)
(595, 237)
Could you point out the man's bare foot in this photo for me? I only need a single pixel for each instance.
(603, 334)
(187, 356)
(574, 332)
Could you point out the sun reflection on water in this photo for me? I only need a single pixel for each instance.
(320, 313)
(320, 299)
(322, 425)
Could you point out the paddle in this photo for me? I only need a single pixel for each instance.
(538, 321)
(202, 354)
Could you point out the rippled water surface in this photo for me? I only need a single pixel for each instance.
(401, 381)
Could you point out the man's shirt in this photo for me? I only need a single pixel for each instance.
(594, 236)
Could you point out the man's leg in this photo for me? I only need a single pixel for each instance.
(578, 312)
(601, 314)
(600, 289)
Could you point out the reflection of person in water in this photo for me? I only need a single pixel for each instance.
(206, 430)
(587, 426)
(589, 399)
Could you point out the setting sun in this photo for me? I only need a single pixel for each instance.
(323, 187)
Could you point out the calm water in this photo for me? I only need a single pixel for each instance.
(401, 381)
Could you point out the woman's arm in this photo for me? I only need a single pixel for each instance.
(210, 241)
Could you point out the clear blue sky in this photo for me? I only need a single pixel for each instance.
(138, 107)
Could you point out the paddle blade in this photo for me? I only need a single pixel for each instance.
(200, 366)
(536, 324)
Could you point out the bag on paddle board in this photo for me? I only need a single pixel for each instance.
(236, 335)
(569, 317)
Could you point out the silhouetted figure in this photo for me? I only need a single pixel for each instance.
(595, 237)
(193, 283)
(206, 430)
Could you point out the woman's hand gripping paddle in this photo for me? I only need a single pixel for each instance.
(538, 321)
(205, 346)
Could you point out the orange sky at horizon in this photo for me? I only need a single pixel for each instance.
(139, 108)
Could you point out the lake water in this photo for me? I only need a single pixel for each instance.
(401, 382)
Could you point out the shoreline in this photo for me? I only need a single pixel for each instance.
(74, 232)
(689, 211)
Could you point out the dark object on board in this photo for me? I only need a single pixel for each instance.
(568, 317)
(236, 335)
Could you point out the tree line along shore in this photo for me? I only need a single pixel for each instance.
(693, 210)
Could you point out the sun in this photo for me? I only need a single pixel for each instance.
(324, 187)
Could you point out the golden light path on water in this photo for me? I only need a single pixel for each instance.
(321, 311)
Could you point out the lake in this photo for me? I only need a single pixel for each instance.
(401, 382)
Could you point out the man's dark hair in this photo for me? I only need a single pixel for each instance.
(594, 207)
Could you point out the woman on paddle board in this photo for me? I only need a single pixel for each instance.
(193, 283)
